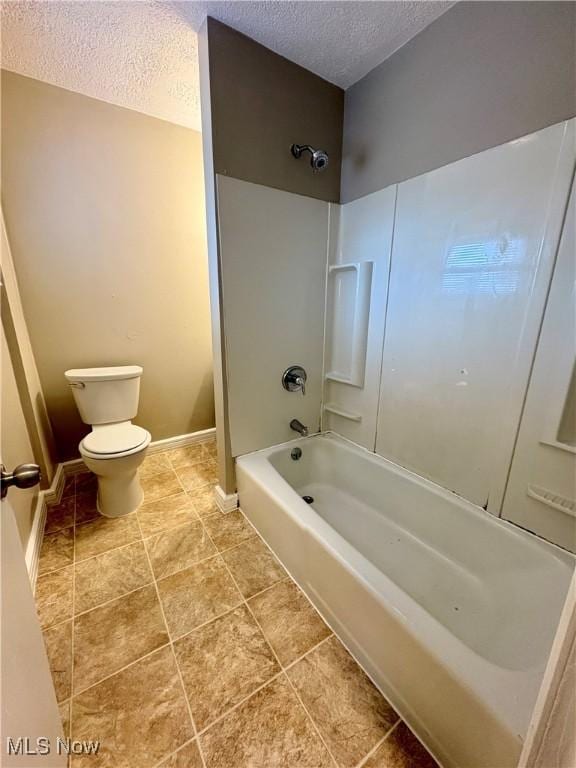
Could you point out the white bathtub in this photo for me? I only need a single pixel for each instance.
(449, 610)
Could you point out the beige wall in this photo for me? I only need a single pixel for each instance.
(104, 210)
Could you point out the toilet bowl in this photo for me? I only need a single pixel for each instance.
(107, 399)
(114, 452)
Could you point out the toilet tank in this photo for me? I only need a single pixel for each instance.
(106, 395)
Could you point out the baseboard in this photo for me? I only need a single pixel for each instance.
(49, 495)
(226, 502)
(53, 494)
(156, 446)
(180, 441)
(32, 554)
(73, 467)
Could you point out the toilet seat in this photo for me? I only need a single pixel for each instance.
(114, 440)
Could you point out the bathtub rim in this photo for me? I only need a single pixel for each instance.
(564, 555)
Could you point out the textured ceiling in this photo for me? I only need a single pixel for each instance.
(140, 55)
(143, 55)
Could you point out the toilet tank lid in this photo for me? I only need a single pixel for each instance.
(104, 374)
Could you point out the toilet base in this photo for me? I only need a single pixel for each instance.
(119, 495)
(119, 489)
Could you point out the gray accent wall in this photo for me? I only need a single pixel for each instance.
(261, 104)
(482, 74)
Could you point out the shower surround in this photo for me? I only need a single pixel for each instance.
(434, 295)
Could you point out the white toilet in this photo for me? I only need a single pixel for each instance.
(107, 399)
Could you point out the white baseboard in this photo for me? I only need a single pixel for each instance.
(180, 441)
(32, 554)
(50, 495)
(53, 494)
(226, 502)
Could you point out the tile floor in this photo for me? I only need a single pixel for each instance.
(177, 639)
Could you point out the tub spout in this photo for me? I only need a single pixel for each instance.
(297, 426)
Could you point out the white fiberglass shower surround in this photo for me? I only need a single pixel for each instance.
(418, 312)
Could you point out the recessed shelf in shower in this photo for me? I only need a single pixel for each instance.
(349, 312)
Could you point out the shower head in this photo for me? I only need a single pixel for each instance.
(318, 158)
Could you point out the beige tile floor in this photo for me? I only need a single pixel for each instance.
(177, 639)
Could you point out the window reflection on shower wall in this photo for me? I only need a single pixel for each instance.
(468, 284)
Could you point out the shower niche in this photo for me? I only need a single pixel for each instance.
(349, 287)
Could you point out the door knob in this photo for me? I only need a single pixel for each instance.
(24, 476)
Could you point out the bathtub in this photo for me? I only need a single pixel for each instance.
(450, 611)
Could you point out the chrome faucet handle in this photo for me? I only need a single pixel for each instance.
(294, 379)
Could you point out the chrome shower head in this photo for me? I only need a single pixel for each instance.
(318, 158)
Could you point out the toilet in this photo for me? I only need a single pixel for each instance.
(107, 399)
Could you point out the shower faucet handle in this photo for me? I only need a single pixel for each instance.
(294, 379)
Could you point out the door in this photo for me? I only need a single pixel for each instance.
(30, 720)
